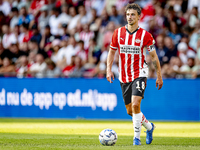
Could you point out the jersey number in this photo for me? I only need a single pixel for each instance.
(138, 85)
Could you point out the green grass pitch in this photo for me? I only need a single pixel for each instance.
(43, 134)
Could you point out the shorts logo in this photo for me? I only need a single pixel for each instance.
(137, 40)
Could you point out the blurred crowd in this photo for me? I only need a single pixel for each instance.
(71, 38)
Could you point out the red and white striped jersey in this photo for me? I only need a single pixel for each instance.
(132, 52)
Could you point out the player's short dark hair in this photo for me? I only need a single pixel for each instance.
(135, 7)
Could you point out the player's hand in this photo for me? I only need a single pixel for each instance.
(159, 83)
(110, 76)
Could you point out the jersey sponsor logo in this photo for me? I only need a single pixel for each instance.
(152, 47)
(130, 49)
(137, 40)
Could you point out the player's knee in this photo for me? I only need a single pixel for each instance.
(135, 106)
(129, 111)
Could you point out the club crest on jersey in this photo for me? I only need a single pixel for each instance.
(137, 40)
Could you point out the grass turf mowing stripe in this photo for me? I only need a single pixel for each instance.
(23, 134)
(84, 127)
(90, 142)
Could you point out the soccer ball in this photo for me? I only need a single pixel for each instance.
(108, 137)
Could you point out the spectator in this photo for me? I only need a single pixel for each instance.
(16, 31)
(185, 39)
(69, 68)
(4, 52)
(24, 47)
(78, 70)
(31, 58)
(38, 69)
(82, 53)
(198, 49)
(3, 20)
(147, 13)
(173, 68)
(35, 34)
(43, 19)
(94, 4)
(64, 16)
(56, 46)
(36, 5)
(33, 46)
(102, 63)
(15, 17)
(86, 35)
(184, 52)
(74, 18)
(7, 69)
(65, 53)
(187, 69)
(8, 36)
(22, 70)
(47, 39)
(171, 16)
(174, 32)
(94, 53)
(65, 36)
(192, 3)
(105, 18)
(52, 70)
(24, 16)
(84, 16)
(54, 22)
(160, 48)
(196, 70)
(5, 7)
(195, 35)
(25, 34)
(171, 49)
(194, 17)
(115, 17)
(15, 52)
(156, 22)
(93, 16)
(107, 36)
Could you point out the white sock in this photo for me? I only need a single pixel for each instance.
(137, 124)
(146, 123)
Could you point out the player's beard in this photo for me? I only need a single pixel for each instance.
(131, 23)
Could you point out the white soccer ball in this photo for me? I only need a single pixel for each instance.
(108, 137)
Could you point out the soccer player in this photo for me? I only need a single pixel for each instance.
(131, 41)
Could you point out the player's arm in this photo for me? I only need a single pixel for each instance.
(156, 63)
(110, 59)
